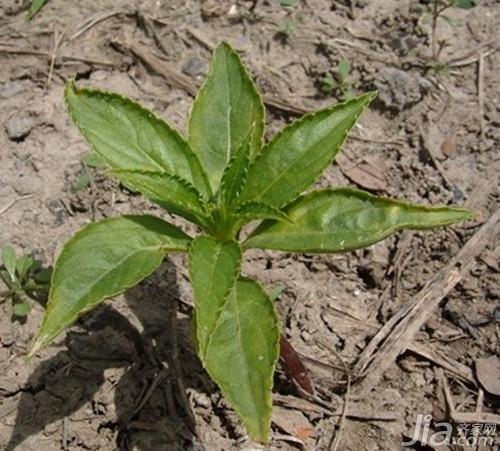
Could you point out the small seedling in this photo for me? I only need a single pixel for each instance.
(24, 278)
(84, 180)
(221, 177)
(86, 176)
(286, 29)
(339, 81)
(35, 8)
(288, 26)
(436, 11)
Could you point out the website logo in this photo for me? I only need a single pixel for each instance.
(464, 434)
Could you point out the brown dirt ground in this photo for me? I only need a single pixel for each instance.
(431, 138)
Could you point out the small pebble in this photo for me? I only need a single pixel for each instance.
(202, 400)
(57, 209)
(10, 89)
(18, 127)
(399, 89)
(193, 67)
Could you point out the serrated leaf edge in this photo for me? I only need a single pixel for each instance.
(368, 98)
(255, 233)
(182, 181)
(270, 382)
(39, 342)
(202, 352)
(256, 92)
(279, 214)
(189, 155)
(223, 186)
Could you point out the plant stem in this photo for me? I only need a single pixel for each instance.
(436, 12)
(435, 16)
(222, 225)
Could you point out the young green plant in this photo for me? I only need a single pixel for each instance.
(25, 279)
(436, 11)
(221, 177)
(339, 81)
(35, 8)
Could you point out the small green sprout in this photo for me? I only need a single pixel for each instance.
(286, 29)
(339, 82)
(222, 177)
(24, 278)
(436, 10)
(35, 7)
(84, 180)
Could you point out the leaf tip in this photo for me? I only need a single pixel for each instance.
(464, 214)
(224, 46)
(455, 214)
(226, 49)
(70, 86)
(370, 96)
(70, 91)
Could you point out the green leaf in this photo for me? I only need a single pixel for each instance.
(298, 154)
(23, 265)
(213, 269)
(464, 4)
(336, 220)
(36, 6)
(242, 353)
(172, 193)
(101, 261)
(21, 309)
(82, 182)
(128, 136)
(226, 109)
(426, 18)
(287, 2)
(43, 276)
(9, 261)
(344, 68)
(249, 211)
(328, 83)
(450, 20)
(235, 174)
(276, 291)
(93, 160)
(5, 276)
(347, 94)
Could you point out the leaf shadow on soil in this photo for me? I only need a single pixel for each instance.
(151, 410)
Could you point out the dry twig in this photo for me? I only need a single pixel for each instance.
(334, 443)
(336, 437)
(179, 80)
(472, 56)
(147, 394)
(201, 37)
(92, 22)
(480, 94)
(444, 361)
(397, 334)
(157, 65)
(426, 351)
(335, 440)
(21, 51)
(55, 47)
(424, 137)
(354, 411)
(466, 417)
(15, 201)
